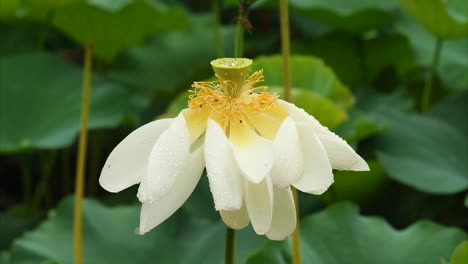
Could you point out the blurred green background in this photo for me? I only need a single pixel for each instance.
(389, 76)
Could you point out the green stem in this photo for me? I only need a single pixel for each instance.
(26, 180)
(241, 17)
(65, 175)
(44, 31)
(42, 190)
(238, 52)
(81, 160)
(239, 45)
(296, 256)
(361, 50)
(426, 95)
(217, 30)
(285, 48)
(229, 250)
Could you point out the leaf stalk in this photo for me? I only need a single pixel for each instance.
(285, 50)
(81, 160)
(427, 90)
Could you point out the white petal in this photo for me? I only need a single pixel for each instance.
(253, 153)
(259, 203)
(223, 174)
(340, 154)
(152, 215)
(167, 160)
(235, 219)
(318, 175)
(287, 166)
(284, 214)
(268, 121)
(127, 163)
(196, 121)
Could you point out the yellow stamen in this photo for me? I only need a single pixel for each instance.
(226, 99)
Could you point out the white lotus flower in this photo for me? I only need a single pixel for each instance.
(254, 147)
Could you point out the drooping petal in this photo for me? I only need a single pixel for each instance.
(287, 166)
(223, 174)
(268, 121)
(167, 160)
(253, 153)
(259, 204)
(127, 163)
(317, 175)
(196, 121)
(153, 214)
(235, 219)
(340, 154)
(284, 214)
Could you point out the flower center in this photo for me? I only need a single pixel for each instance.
(229, 101)
(234, 102)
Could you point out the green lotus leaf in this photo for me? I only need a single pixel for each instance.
(359, 187)
(384, 51)
(460, 255)
(31, 10)
(8, 9)
(453, 65)
(5, 257)
(334, 49)
(340, 235)
(356, 61)
(308, 73)
(109, 237)
(424, 153)
(451, 111)
(413, 144)
(368, 115)
(350, 15)
(171, 59)
(40, 102)
(436, 18)
(114, 25)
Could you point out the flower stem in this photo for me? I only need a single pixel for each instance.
(426, 95)
(239, 45)
(44, 31)
(242, 21)
(285, 47)
(229, 250)
(284, 23)
(296, 249)
(26, 180)
(217, 66)
(80, 163)
(65, 172)
(42, 190)
(217, 30)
